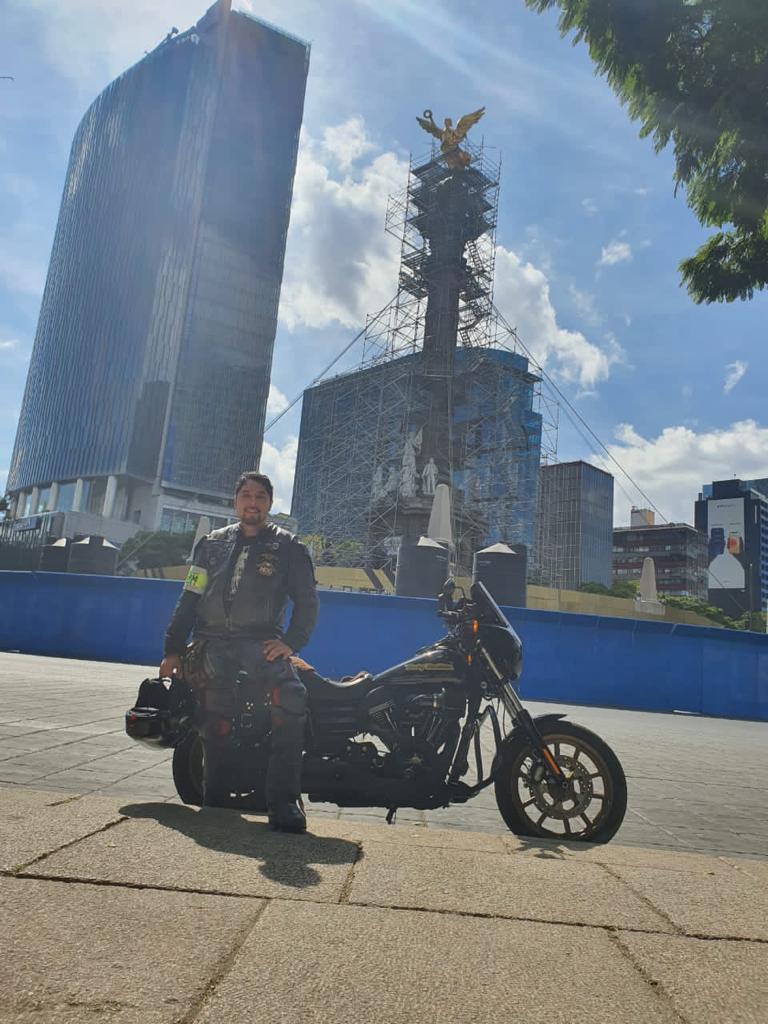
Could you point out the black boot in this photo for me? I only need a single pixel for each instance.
(288, 816)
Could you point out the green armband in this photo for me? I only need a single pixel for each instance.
(197, 580)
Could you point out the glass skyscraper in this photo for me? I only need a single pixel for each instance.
(574, 526)
(149, 377)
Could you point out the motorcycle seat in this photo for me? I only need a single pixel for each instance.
(321, 688)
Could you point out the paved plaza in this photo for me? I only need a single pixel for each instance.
(695, 784)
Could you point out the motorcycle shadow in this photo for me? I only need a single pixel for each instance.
(286, 859)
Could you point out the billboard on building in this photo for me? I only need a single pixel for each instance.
(725, 526)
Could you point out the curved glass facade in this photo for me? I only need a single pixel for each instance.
(153, 351)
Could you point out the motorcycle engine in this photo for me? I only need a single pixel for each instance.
(416, 728)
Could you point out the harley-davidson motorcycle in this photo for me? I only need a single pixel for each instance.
(411, 736)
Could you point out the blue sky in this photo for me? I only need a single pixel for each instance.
(589, 235)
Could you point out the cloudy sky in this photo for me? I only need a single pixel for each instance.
(589, 236)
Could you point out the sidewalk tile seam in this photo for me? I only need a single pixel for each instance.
(67, 800)
(677, 930)
(346, 888)
(479, 915)
(65, 846)
(611, 930)
(658, 989)
(223, 966)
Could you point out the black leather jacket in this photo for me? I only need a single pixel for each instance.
(278, 568)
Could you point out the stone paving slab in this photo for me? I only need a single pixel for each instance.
(707, 982)
(707, 904)
(610, 854)
(71, 953)
(33, 824)
(210, 850)
(525, 886)
(406, 834)
(169, 913)
(351, 964)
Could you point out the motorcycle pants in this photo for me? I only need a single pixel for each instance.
(224, 659)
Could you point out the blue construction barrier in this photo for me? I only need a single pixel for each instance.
(575, 659)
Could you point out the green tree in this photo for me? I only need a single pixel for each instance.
(695, 604)
(694, 73)
(594, 588)
(348, 553)
(147, 550)
(625, 588)
(754, 621)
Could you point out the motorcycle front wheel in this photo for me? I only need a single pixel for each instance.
(592, 806)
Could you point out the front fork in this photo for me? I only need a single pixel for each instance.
(555, 775)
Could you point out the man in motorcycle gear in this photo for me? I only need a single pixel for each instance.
(233, 603)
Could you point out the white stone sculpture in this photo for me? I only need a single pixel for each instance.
(429, 477)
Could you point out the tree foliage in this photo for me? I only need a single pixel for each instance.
(754, 621)
(342, 554)
(148, 550)
(694, 73)
(623, 588)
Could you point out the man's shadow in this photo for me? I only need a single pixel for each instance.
(286, 859)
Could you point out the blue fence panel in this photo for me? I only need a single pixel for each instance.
(580, 659)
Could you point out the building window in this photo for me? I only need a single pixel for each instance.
(66, 497)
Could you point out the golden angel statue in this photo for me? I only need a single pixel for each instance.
(450, 137)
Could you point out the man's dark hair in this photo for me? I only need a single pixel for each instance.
(257, 478)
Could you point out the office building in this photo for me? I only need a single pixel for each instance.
(574, 526)
(733, 514)
(679, 554)
(149, 376)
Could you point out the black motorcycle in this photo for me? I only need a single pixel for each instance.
(407, 736)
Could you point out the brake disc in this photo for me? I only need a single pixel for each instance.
(549, 799)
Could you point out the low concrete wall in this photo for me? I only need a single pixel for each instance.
(579, 659)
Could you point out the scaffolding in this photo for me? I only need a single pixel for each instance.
(362, 470)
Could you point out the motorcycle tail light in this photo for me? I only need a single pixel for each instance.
(223, 727)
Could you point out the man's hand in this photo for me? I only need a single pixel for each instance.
(274, 650)
(170, 666)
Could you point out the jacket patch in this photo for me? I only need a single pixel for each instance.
(197, 580)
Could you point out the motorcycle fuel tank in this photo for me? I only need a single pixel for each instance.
(435, 666)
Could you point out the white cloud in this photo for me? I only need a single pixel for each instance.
(522, 294)
(734, 373)
(672, 467)
(347, 143)
(584, 303)
(277, 402)
(279, 463)
(615, 252)
(590, 207)
(6, 344)
(340, 264)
